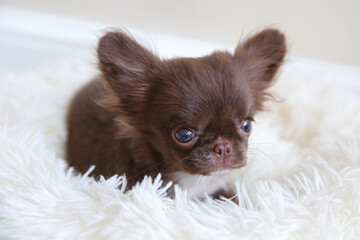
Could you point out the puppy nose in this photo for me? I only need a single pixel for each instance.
(223, 150)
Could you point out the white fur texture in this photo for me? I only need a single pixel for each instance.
(302, 180)
(197, 185)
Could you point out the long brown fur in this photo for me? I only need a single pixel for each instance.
(124, 121)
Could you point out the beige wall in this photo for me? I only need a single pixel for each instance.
(324, 29)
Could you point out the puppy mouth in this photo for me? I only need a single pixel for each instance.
(239, 165)
(233, 162)
(221, 167)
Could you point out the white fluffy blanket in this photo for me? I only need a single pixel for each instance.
(302, 180)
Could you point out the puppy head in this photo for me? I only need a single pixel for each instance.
(195, 112)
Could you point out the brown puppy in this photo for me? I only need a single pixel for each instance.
(186, 118)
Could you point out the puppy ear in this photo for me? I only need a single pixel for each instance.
(259, 58)
(126, 67)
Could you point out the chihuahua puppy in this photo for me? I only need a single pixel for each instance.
(186, 118)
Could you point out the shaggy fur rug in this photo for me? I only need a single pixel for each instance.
(302, 180)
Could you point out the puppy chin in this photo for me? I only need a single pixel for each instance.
(215, 166)
(220, 168)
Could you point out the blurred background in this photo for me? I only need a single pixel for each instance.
(33, 32)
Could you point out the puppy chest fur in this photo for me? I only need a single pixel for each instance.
(197, 185)
(186, 118)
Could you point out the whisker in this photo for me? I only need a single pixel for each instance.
(258, 151)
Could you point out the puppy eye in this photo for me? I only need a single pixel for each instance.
(246, 126)
(184, 135)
